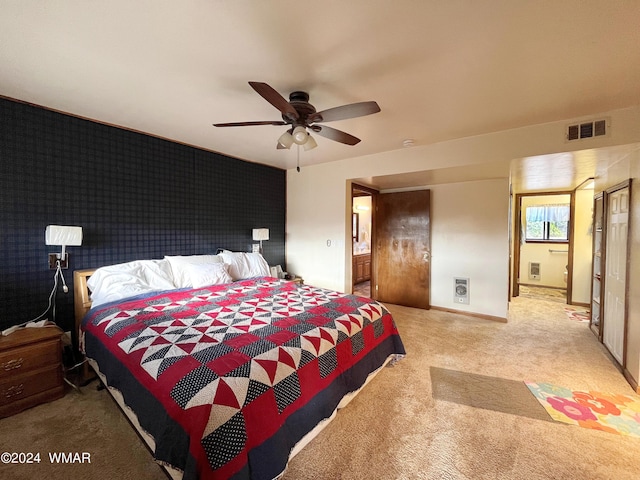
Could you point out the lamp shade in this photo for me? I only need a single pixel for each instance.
(310, 143)
(261, 234)
(286, 140)
(300, 135)
(63, 235)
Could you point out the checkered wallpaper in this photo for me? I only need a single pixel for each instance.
(135, 196)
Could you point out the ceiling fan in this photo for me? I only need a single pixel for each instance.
(301, 115)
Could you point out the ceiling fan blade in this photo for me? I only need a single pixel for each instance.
(274, 98)
(345, 111)
(245, 124)
(334, 134)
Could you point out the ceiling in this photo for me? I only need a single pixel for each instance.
(439, 70)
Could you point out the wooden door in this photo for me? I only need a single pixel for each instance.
(615, 285)
(403, 248)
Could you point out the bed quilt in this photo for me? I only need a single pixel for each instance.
(228, 378)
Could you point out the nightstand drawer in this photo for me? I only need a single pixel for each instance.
(36, 381)
(30, 368)
(18, 360)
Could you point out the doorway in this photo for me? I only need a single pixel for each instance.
(553, 258)
(391, 252)
(362, 231)
(542, 260)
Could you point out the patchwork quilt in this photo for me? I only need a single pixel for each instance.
(228, 378)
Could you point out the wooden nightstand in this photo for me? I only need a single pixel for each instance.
(30, 368)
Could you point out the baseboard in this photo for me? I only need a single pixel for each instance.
(631, 380)
(580, 304)
(470, 314)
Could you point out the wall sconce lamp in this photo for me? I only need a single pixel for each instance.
(64, 236)
(261, 234)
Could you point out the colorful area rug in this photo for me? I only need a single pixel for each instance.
(613, 413)
(579, 315)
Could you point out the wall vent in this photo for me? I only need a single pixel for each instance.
(534, 270)
(596, 128)
(461, 290)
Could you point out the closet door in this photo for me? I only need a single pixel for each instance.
(615, 284)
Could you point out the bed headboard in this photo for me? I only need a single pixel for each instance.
(81, 299)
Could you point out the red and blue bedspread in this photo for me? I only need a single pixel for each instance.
(228, 378)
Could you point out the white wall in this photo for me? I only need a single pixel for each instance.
(582, 246)
(318, 197)
(469, 238)
(552, 263)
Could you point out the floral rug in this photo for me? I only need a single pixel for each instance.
(579, 315)
(613, 413)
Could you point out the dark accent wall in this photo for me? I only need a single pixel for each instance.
(135, 196)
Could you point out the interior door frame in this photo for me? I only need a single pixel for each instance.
(517, 238)
(358, 190)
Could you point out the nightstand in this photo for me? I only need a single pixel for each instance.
(30, 368)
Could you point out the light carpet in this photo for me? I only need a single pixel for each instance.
(410, 422)
(544, 293)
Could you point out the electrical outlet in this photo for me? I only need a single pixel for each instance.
(55, 257)
(255, 248)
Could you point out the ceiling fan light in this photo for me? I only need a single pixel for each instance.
(286, 140)
(300, 135)
(310, 143)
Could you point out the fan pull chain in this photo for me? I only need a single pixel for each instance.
(298, 163)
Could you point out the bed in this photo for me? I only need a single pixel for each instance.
(225, 376)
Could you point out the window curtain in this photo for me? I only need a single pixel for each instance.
(548, 213)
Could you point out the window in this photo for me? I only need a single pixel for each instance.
(547, 223)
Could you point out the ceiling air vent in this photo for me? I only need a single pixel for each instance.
(596, 128)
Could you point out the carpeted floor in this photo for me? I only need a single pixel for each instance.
(417, 420)
(544, 293)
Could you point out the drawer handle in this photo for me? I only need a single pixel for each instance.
(13, 364)
(14, 390)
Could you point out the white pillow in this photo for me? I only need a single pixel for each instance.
(245, 265)
(258, 265)
(205, 274)
(123, 280)
(179, 267)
